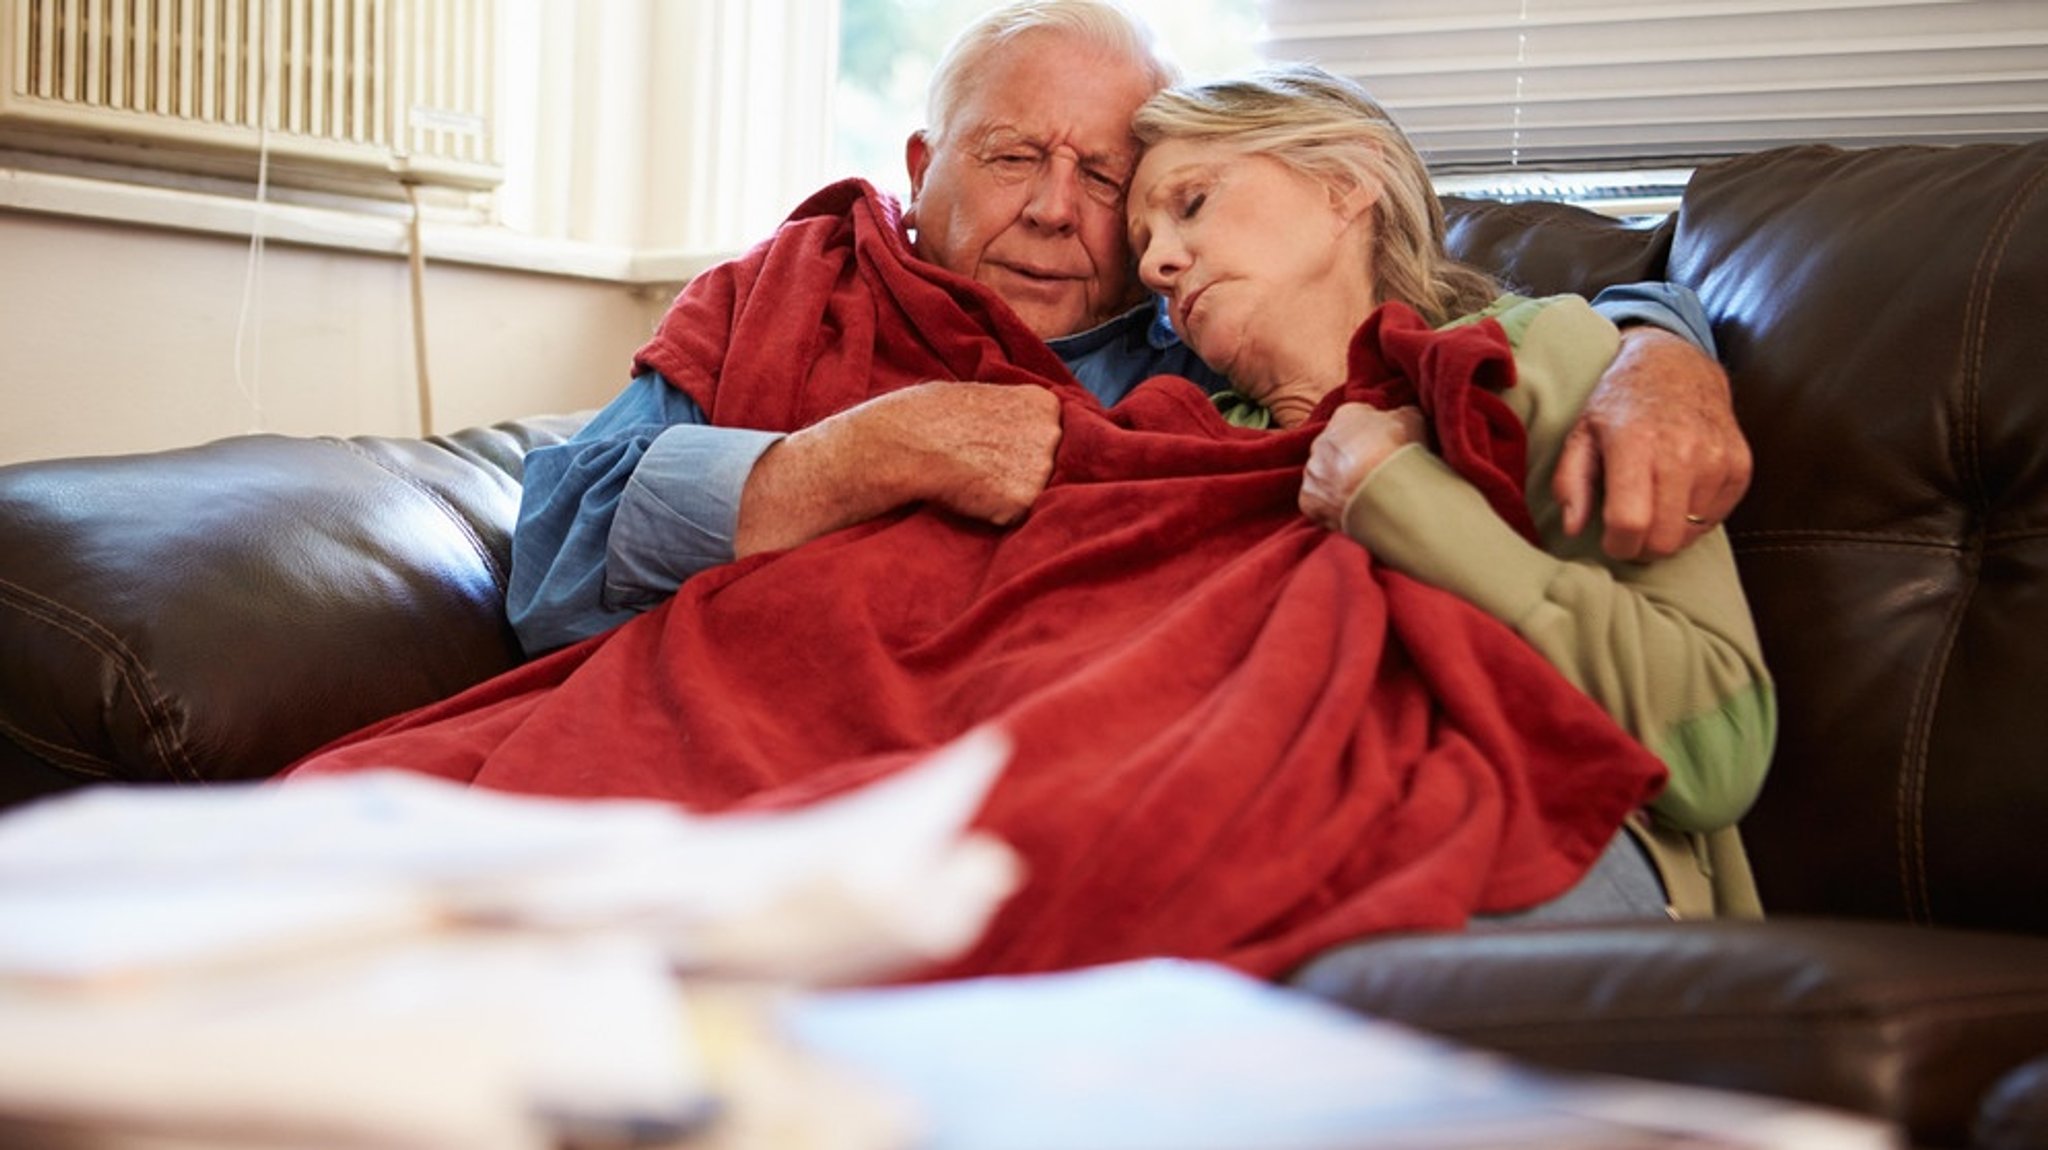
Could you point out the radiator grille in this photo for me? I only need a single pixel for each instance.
(377, 90)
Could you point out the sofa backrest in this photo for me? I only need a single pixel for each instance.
(1881, 315)
(215, 612)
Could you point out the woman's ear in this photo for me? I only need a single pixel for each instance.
(1357, 200)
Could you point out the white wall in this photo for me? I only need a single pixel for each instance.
(117, 338)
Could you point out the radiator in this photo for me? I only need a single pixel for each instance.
(366, 95)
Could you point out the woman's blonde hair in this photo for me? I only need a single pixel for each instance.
(1328, 129)
(1103, 24)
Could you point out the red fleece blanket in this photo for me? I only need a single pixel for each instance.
(1237, 737)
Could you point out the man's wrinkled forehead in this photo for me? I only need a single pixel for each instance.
(1006, 95)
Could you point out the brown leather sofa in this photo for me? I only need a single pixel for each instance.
(214, 612)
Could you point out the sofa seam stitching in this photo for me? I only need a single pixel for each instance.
(1976, 1006)
(1789, 541)
(1911, 823)
(462, 524)
(131, 670)
(57, 756)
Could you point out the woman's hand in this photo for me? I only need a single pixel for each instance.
(1358, 438)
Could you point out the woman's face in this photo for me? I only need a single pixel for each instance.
(1266, 271)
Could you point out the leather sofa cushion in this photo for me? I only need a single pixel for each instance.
(215, 612)
(1549, 248)
(1880, 313)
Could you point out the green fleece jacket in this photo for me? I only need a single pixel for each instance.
(1667, 647)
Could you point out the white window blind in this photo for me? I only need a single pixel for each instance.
(1499, 85)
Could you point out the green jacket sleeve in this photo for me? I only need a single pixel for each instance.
(1668, 648)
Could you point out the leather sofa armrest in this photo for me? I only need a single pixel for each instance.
(215, 612)
(1909, 1024)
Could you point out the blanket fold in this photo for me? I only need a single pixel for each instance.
(1237, 737)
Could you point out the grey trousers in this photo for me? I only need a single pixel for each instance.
(1621, 885)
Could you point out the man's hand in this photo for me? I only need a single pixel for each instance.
(1358, 438)
(1659, 430)
(982, 450)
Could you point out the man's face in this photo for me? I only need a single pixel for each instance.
(1023, 190)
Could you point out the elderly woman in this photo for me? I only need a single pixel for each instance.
(1276, 213)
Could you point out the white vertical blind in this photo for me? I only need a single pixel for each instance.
(1491, 85)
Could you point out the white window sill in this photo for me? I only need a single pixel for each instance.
(1623, 193)
(338, 224)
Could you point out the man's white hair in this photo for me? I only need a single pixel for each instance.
(1104, 23)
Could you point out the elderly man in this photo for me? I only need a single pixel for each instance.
(1018, 184)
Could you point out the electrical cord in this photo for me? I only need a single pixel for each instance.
(248, 338)
(417, 257)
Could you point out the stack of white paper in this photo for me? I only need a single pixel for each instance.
(389, 960)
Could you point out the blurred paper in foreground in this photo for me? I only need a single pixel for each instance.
(390, 960)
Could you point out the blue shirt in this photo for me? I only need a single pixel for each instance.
(647, 493)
